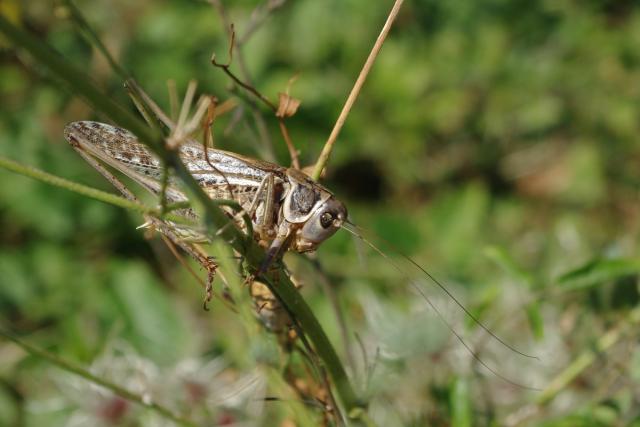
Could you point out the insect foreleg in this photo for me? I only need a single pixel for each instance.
(263, 225)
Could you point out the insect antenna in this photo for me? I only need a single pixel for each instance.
(357, 232)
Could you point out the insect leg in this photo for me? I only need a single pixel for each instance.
(193, 250)
(266, 229)
(264, 222)
(103, 171)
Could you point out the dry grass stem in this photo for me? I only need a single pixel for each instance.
(293, 152)
(355, 91)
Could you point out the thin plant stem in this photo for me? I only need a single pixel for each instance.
(186, 104)
(587, 358)
(245, 86)
(293, 153)
(577, 367)
(330, 290)
(355, 91)
(116, 389)
(236, 45)
(173, 99)
(148, 107)
(260, 123)
(140, 103)
(92, 37)
(81, 189)
(259, 15)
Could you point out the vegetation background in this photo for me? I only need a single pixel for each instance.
(495, 142)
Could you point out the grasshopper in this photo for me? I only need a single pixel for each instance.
(287, 209)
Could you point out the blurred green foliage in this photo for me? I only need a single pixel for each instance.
(495, 142)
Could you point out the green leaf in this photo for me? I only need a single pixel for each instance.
(597, 272)
(503, 259)
(536, 322)
(460, 404)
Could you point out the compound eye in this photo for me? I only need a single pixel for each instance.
(326, 220)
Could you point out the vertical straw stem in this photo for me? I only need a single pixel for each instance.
(355, 91)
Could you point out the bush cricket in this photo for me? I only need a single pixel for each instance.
(286, 208)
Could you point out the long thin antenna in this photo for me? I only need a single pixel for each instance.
(443, 288)
(443, 319)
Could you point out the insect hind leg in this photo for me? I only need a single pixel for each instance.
(165, 229)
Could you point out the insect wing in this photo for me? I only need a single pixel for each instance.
(121, 150)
